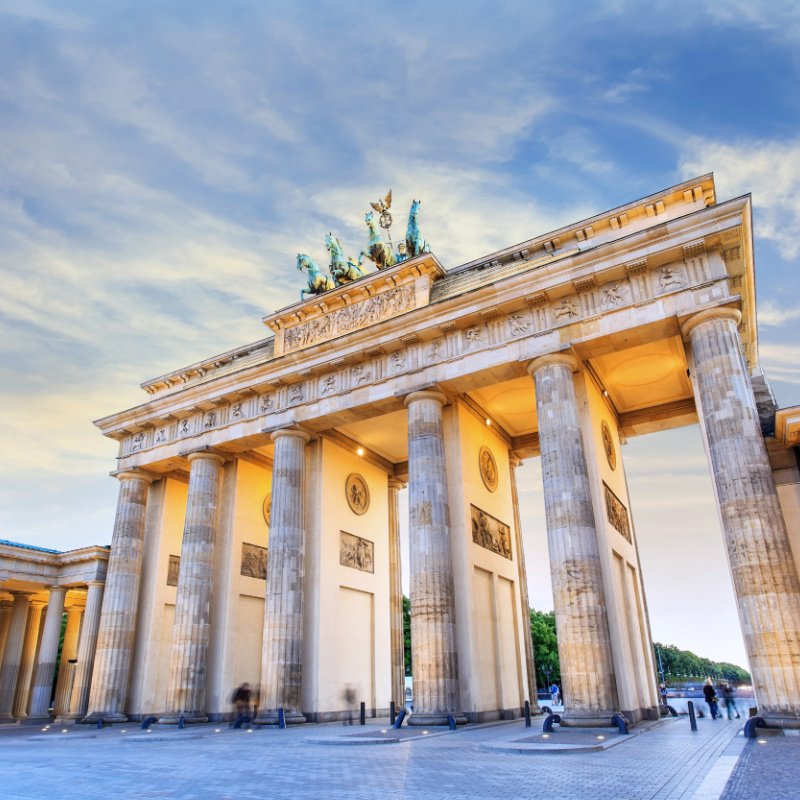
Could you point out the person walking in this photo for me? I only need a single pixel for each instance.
(241, 701)
(710, 695)
(729, 702)
(554, 693)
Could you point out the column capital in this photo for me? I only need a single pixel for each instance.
(396, 484)
(514, 461)
(57, 587)
(298, 432)
(95, 583)
(207, 455)
(564, 358)
(134, 475)
(426, 394)
(721, 312)
(27, 595)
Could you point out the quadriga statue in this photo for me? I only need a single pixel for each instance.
(377, 250)
(343, 270)
(317, 282)
(415, 242)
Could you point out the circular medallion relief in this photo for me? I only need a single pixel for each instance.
(488, 468)
(267, 507)
(608, 445)
(357, 493)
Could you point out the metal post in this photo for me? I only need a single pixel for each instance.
(391, 712)
(692, 720)
(527, 714)
(281, 718)
(363, 720)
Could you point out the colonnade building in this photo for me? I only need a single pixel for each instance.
(48, 598)
(257, 530)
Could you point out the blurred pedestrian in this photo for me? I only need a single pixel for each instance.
(729, 702)
(349, 696)
(710, 695)
(241, 701)
(554, 693)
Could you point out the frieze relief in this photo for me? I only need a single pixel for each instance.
(254, 561)
(540, 317)
(617, 514)
(359, 315)
(490, 533)
(356, 552)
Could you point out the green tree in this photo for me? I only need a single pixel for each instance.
(407, 633)
(545, 647)
(684, 665)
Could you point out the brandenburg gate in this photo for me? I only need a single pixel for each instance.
(257, 531)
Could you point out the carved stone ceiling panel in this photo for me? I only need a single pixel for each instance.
(386, 435)
(511, 403)
(644, 376)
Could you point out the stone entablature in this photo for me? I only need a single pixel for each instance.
(587, 235)
(684, 268)
(376, 297)
(20, 564)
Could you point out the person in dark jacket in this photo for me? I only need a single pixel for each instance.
(728, 701)
(710, 695)
(241, 700)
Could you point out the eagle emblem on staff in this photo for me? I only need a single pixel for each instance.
(382, 207)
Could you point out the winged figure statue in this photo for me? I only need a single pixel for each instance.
(385, 204)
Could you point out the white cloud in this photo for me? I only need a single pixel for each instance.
(771, 314)
(769, 169)
(781, 361)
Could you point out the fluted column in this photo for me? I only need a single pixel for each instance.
(282, 651)
(5, 621)
(523, 588)
(28, 661)
(66, 666)
(434, 651)
(115, 639)
(45, 673)
(186, 692)
(87, 645)
(396, 596)
(12, 654)
(765, 580)
(584, 647)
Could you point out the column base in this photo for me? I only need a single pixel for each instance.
(189, 718)
(431, 718)
(779, 721)
(106, 717)
(271, 718)
(572, 720)
(8, 719)
(37, 720)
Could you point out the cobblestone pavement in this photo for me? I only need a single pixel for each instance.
(767, 766)
(666, 762)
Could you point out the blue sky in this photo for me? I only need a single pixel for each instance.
(163, 162)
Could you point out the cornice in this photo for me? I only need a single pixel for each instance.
(626, 257)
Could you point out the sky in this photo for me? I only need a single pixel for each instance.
(162, 164)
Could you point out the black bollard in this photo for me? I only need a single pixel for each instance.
(99, 724)
(392, 714)
(620, 722)
(400, 717)
(527, 714)
(692, 719)
(752, 725)
(181, 722)
(281, 718)
(363, 714)
(451, 722)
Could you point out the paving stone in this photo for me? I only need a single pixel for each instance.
(667, 761)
